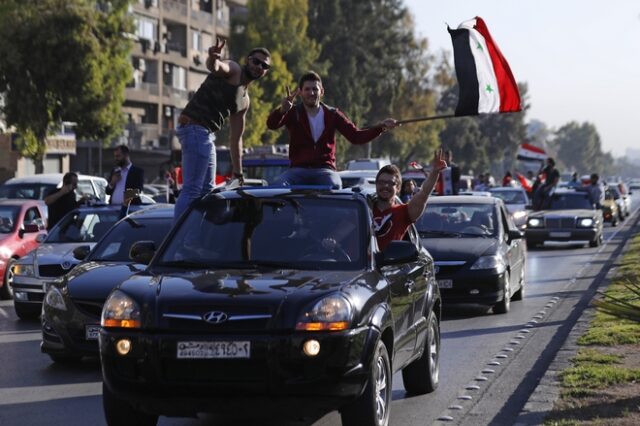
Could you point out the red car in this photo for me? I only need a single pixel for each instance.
(21, 224)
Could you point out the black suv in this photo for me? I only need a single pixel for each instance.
(275, 300)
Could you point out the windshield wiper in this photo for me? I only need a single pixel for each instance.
(185, 264)
(444, 233)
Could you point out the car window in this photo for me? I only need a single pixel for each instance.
(468, 220)
(8, 218)
(32, 217)
(510, 197)
(85, 187)
(115, 246)
(30, 191)
(299, 233)
(570, 201)
(82, 226)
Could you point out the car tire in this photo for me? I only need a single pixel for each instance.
(519, 295)
(422, 375)
(6, 291)
(120, 413)
(372, 407)
(503, 306)
(596, 242)
(26, 311)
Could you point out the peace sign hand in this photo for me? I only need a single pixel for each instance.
(438, 164)
(287, 102)
(216, 51)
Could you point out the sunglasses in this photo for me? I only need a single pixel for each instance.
(257, 62)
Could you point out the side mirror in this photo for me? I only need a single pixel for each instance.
(40, 238)
(81, 252)
(398, 252)
(515, 234)
(142, 251)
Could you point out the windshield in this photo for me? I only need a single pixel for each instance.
(268, 173)
(461, 220)
(83, 226)
(8, 218)
(510, 197)
(296, 233)
(570, 201)
(117, 243)
(32, 191)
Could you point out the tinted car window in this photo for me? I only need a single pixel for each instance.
(570, 201)
(82, 226)
(470, 220)
(117, 243)
(32, 191)
(8, 218)
(510, 197)
(290, 232)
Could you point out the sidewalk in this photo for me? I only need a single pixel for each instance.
(542, 400)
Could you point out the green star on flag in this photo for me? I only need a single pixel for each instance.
(479, 46)
(488, 88)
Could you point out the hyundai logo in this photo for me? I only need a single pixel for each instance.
(215, 317)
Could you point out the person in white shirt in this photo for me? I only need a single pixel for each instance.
(125, 176)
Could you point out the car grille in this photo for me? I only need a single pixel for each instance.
(214, 371)
(448, 268)
(560, 222)
(89, 307)
(52, 270)
(247, 318)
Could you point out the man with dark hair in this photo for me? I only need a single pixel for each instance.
(392, 218)
(125, 179)
(312, 127)
(596, 193)
(61, 201)
(450, 176)
(543, 192)
(222, 95)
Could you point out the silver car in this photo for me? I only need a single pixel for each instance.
(516, 202)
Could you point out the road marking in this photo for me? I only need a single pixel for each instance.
(20, 336)
(30, 394)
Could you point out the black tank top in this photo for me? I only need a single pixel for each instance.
(214, 101)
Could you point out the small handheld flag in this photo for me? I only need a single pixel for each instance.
(484, 76)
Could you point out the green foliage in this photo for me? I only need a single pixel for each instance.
(64, 60)
(579, 147)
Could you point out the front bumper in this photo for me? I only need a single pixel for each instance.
(539, 236)
(65, 332)
(29, 290)
(277, 374)
(484, 287)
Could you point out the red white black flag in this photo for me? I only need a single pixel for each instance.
(528, 152)
(484, 76)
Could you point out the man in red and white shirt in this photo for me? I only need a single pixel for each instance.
(392, 218)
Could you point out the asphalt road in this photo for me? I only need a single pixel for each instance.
(490, 363)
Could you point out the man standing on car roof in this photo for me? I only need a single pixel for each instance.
(312, 127)
(223, 94)
(392, 218)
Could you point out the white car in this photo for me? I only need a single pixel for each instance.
(363, 178)
(37, 187)
(367, 164)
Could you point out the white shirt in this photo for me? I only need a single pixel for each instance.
(317, 124)
(117, 196)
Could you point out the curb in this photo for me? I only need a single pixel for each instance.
(543, 398)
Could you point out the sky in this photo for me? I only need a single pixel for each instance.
(580, 58)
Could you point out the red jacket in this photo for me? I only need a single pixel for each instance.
(303, 151)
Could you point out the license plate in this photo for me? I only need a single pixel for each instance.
(559, 234)
(445, 283)
(91, 332)
(213, 350)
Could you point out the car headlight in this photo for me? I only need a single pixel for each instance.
(120, 310)
(534, 222)
(54, 299)
(585, 222)
(490, 262)
(24, 270)
(519, 214)
(333, 313)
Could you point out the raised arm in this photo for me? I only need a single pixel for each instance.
(215, 64)
(418, 202)
(278, 117)
(361, 136)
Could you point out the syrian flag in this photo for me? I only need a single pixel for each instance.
(485, 79)
(528, 152)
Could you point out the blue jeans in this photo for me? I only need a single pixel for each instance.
(198, 164)
(302, 176)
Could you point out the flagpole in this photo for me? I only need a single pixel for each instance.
(433, 117)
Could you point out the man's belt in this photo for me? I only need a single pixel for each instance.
(185, 119)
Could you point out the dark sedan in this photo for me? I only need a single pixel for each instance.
(274, 299)
(570, 216)
(73, 304)
(478, 251)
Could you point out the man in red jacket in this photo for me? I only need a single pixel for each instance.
(312, 129)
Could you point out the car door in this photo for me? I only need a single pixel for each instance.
(514, 248)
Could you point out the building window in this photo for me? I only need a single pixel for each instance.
(179, 80)
(146, 28)
(196, 39)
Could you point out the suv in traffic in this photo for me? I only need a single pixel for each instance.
(278, 299)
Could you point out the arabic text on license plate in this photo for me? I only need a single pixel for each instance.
(559, 234)
(445, 283)
(213, 350)
(91, 332)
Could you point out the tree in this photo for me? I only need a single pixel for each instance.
(578, 147)
(63, 60)
(281, 27)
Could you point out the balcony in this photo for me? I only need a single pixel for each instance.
(204, 19)
(175, 8)
(175, 46)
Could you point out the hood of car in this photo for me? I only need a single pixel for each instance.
(443, 249)
(512, 208)
(562, 213)
(250, 299)
(57, 253)
(95, 280)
